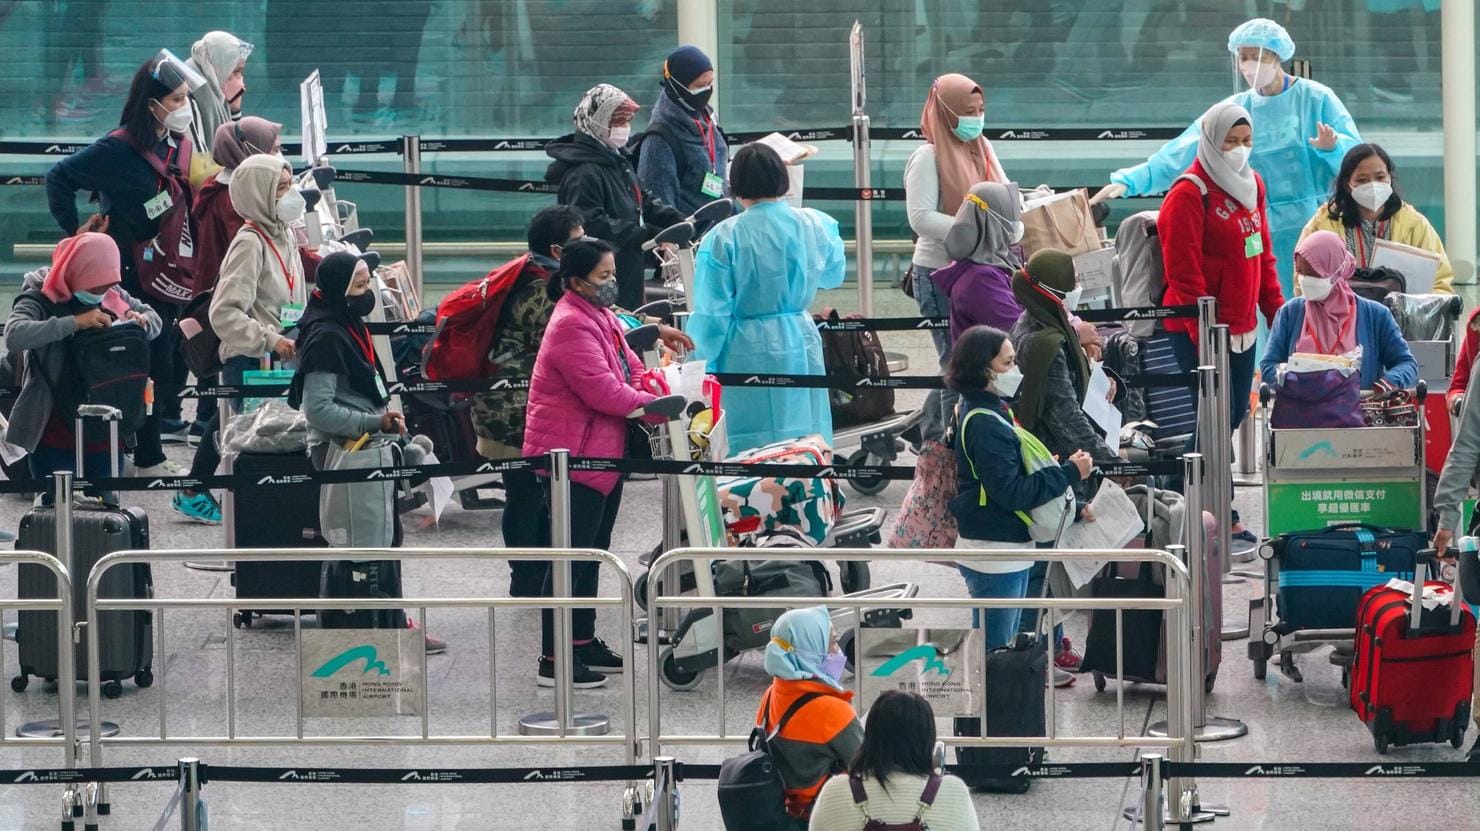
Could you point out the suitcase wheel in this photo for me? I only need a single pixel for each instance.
(144, 678)
(112, 689)
(1099, 681)
(20, 682)
(1380, 741)
(1261, 668)
(242, 620)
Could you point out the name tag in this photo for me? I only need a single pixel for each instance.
(380, 386)
(156, 207)
(713, 187)
(1253, 245)
(290, 313)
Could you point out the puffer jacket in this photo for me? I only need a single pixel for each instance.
(581, 391)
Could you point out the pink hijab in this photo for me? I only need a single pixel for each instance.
(87, 262)
(1331, 324)
(959, 164)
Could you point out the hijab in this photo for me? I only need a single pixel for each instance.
(800, 640)
(1053, 269)
(215, 56)
(1213, 129)
(1330, 324)
(599, 106)
(253, 191)
(85, 262)
(331, 338)
(984, 223)
(959, 164)
(680, 68)
(236, 140)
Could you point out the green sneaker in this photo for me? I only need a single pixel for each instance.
(198, 508)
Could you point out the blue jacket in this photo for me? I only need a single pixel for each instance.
(1384, 352)
(679, 180)
(999, 459)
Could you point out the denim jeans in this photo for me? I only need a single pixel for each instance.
(939, 404)
(207, 455)
(1002, 624)
(44, 461)
(1241, 366)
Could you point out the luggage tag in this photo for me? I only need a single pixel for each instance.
(290, 313)
(1253, 245)
(156, 207)
(713, 187)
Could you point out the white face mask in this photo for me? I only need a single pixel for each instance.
(1372, 195)
(1258, 74)
(177, 121)
(1006, 384)
(1238, 157)
(618, 135)
(291, 207)
(1315, 289)
(1018, 230)
(1071, 300)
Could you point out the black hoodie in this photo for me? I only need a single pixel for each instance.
(600, 181)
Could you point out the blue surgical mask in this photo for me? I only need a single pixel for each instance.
(969, 127)
(87, 298)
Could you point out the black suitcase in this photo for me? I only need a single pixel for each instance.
(276, 516)
(1016, 676)
(125, 639)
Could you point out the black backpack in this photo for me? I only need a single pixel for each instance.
(107, 366)
(855, 356)
(752, 796)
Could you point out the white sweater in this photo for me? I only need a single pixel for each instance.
(951, 811)
(922, 204)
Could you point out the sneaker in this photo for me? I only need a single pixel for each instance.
(1063, 678)
(6, 537)
(582, 678)
(434, 644)
(1067, 657)
(173, 431)
(168, 467)
(597, 656)
(198, 508)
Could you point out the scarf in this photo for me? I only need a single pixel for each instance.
(85, 262)
(236, 140)
(982, 232)
(799, 643)
(601, 103)
(959, 164)
(215, 56)
(333, 339)
(1331, 324)
(1213, 129)
(1049, 268)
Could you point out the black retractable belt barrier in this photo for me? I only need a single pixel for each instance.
(429, 776)
(430, 180)
(402, 328)
(1137, 313)
(53, 776)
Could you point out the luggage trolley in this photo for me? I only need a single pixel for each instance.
(1318, 478)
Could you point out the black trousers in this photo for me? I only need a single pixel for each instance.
(525, 525)
(592, 519)
(164, 353)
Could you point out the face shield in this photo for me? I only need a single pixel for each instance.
(1255, 68)
(170, 71)
(1258, 48)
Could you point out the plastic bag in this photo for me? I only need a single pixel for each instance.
(273, 427)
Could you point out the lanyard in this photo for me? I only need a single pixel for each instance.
(365, 345)
(621, 356)
(708, 138)
(1380, 233)
(1351, 321)
(287, 275)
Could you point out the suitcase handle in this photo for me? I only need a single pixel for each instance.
(1421, 562)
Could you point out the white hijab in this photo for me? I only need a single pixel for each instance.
(1215, 124)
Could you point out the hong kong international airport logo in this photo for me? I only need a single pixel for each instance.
(363, 652)
(925, 652)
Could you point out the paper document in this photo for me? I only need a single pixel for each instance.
(8, 452)
(1116, 523)
(1099, 409)
(1417, 266)
(790, 151)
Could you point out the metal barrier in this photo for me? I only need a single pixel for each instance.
(628, 738)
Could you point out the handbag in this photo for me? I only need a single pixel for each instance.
(925, 519)
(1063, 221)
(360, 514)
(1320, 399)
(1396, 410)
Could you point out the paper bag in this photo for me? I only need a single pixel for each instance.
(1061, 221)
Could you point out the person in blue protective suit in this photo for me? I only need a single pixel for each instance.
(1301, 133)
(754, 280)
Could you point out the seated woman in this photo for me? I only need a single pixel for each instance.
(893, 778)
(823, 735)
(1330, 319)
(1366, 205)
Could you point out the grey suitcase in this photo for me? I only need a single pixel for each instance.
(125, 638)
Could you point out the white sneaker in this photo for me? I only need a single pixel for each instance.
(168, 467)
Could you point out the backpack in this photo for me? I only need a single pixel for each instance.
(927, 798)
(1046, 523)
(1139, 273)
(1377, 283)
(99, 366)
(466, 323)
(853, 357)
(654, 128)
(751, 795)
(166, 264)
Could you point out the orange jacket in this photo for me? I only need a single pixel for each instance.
(820, 739)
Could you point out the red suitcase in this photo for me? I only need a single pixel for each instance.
(1413, 671)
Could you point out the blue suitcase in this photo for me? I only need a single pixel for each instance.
(1323, 574)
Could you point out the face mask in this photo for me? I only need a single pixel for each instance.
(1019, 230)
(291, 207)
(606, 293)
(1258, 74)
(1006, 384)
(1071, 300)
(233, 91)
(360, 304)
(699, 98)
(1238, 157)
(1372, 195)
(177, 121)
(969, 127)
(87, 298)
(1315, 289)
(619, 135)
(834, 664)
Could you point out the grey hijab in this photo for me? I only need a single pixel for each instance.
(984, 224)
(1214, 127)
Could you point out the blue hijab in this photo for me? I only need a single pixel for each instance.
(800, 640)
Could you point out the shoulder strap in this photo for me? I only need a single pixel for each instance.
(1202, 187)
(802, 700)
(927, 796)
(982, 489)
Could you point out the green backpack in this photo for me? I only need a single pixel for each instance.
(1046, 522)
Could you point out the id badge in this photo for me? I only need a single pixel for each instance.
(1253, 245)
(156, 207)
(290, 313)
(713, 187)
(380, 386)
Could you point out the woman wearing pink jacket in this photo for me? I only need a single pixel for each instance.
(579, 399)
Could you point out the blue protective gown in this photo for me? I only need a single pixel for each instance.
(755, 277)
(1297, 176)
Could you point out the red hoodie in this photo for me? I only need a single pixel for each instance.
(1207, 250)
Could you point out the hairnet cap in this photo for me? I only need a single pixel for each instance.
(1265, 34)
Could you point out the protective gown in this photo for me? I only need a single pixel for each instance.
(756, 275)
(1296, 175)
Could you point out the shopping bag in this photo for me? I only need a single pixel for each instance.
(925, 519)
(1319, 399)
(1063, 221)
(360, 514)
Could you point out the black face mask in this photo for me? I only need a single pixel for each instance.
(696, 101)
(360, 304)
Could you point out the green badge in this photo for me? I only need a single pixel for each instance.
(713, 187)
(156, 207)
(289, 313)
(1253, 245)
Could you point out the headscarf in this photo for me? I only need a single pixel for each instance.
(236, 140)
(85, 262)
(680, 68)
(959, 164)
(1214, 126)
(215, 57)
(1049, 268)
(599, 106)
(331, 338)
(800, 640)
(253, 192)
(982, 232)
(1330, 324)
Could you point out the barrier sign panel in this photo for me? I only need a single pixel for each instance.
(1309, 506)
(363, 672)
(1350, 450)
(944, 666)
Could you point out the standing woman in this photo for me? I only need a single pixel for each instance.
(220, 58)
(594, 175)
(684, 158)
(139, 172)
(937, 177)
(754, 282)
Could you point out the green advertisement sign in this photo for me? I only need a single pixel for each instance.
(711, 516)
(1310, 506)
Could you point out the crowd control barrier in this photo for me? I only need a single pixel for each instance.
(64, 730)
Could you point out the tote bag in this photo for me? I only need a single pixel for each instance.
(925, 519)
(360, 514)
(1063, 221)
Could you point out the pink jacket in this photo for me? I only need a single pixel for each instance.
(580, 394)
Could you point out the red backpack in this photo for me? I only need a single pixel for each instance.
(466, 322)
(166, 264)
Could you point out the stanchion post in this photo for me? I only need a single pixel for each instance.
(1223, 509)
(1151, 796)
(66, 618)
(1207, 318)
(411, 161)
(863, 219)
(190, 794)
(666, 800)
(1192, 539)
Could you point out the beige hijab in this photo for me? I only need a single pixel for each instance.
(959, 164)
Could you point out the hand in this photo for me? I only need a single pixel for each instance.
(1088, 334)
(1456, 403)
(138, 317)
(284, 348)
(1086, 515)
(1325, 137)
(93, 319)
(1110, 393)
(96, 222)
(674, 338)
(1108, 192)
(1442, 539)
(1082, 460)
(392, 422)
